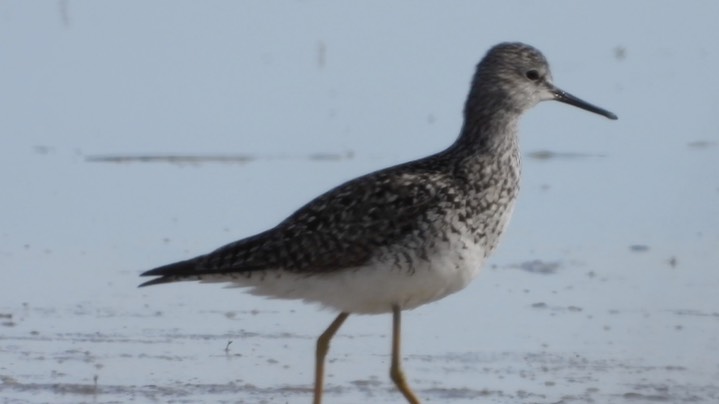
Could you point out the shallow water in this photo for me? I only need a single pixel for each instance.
(132, 139)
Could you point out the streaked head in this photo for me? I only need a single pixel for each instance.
(521, 76)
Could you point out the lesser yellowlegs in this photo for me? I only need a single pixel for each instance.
(403, 236)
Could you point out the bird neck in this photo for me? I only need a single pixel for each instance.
(489, 129)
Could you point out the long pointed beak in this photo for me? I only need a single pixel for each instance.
(565, 97)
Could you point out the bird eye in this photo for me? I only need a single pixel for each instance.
(532, 75)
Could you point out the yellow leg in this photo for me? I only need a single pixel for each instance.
(395, 372)
(323, 345)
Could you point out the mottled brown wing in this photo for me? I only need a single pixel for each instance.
(339, 229)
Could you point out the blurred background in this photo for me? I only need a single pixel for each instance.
(138, 133)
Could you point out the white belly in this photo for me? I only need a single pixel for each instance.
(376, 287)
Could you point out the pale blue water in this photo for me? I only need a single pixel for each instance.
(630, 315)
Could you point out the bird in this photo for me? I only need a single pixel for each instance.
(403, 236)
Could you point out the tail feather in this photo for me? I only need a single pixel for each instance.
(178, 271)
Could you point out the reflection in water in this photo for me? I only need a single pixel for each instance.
(212, 158)
(548, 155)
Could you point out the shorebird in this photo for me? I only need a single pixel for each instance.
(404, 236)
